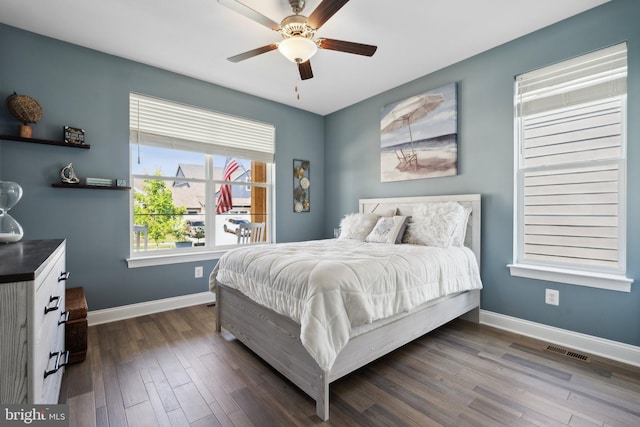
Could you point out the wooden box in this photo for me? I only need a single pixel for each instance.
(76, 327)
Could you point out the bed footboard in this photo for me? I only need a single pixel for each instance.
(276, 339)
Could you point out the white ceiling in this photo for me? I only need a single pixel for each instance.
(194, 38)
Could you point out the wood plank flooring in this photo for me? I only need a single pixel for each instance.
(173, 369)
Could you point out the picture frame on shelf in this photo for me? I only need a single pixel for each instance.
(73, 136)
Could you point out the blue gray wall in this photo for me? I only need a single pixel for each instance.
(485, 102)
(90, 90)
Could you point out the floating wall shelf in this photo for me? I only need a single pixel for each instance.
(90, 187)
(43, 141)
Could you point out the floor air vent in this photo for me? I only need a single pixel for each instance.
(568, 353)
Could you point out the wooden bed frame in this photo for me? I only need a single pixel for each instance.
(276, 338)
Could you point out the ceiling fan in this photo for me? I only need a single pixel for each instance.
(298, 31)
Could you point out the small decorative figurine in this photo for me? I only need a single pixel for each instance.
(68, 175)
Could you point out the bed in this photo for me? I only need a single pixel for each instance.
(283, 340)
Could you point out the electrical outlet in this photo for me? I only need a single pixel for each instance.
(552, 296)
(199, 272)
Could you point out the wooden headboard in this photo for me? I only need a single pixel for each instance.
(405, 206)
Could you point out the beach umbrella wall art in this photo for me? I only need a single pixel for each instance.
(419, 136)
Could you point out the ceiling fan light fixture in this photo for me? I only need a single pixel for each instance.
(297, 49)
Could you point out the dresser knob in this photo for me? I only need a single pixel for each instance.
(63, 276)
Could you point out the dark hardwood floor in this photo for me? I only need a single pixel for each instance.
(172, 369)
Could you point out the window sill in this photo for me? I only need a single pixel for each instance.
(173, 258)
(611, 282)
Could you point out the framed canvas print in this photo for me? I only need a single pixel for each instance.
(419, 136)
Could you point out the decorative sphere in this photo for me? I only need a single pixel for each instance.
(24, 108)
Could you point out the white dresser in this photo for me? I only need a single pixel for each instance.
(32, 316)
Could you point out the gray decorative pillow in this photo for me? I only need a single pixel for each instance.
(388, 230)
(357, 226)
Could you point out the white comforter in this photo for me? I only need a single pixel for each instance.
(330, 286)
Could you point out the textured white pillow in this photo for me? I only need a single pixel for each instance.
(433, 224)
(388, 230)
(461, 229)
(357, 226)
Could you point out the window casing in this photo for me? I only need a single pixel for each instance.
(570, 172)
(183, 161)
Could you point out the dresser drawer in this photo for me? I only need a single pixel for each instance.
(51, 384)
(49, 360)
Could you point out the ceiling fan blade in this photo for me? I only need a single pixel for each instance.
(253, 52)
(349, 47)
(325, 10)
(305, 70)
(250, 13)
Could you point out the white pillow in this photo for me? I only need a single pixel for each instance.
(461, 229)
(357, 226)
(388, 230)
(434, 224)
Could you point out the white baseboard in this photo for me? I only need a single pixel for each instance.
(613, 350)
(97, 317)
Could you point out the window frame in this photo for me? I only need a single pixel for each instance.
(554, 271)
(209, 251)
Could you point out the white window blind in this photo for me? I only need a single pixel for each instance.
(154, 121)
(571, 189)
(594, 76)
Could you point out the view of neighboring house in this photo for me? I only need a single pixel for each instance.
(191, 194)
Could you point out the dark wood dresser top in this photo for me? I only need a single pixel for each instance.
(20, 261)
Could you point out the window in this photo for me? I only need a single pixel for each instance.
(197, 175)
(570, 184)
